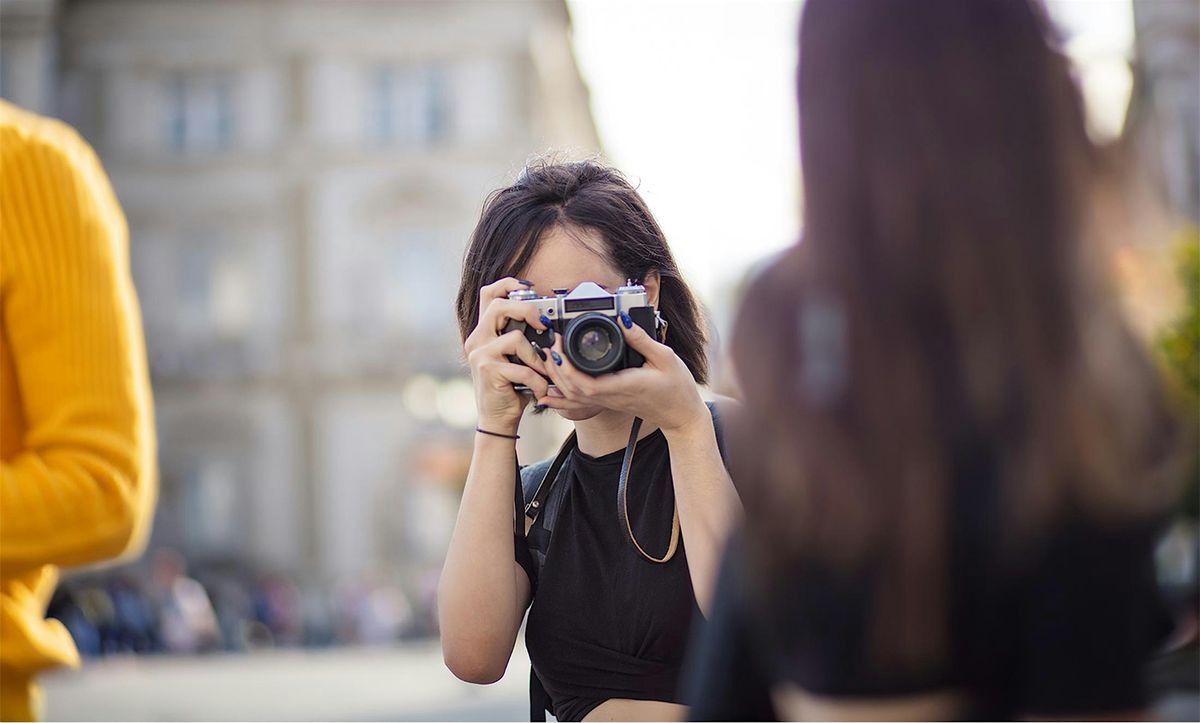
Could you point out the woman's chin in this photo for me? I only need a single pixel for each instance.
(579, 414)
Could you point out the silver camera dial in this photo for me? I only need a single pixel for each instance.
(523, 295)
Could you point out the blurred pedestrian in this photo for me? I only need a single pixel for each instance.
(960, 453)
(186, 619)
(136, 627)
(77, 482)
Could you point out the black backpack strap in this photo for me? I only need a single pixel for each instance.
(539, 699)
(531, 477)
(537, 494)
(541, 498)
(536, 502)
(519, 502)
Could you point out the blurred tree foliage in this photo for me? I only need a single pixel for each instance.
(1180, 346)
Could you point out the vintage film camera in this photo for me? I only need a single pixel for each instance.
(588, 319)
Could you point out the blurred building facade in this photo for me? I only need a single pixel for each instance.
(1160, 153)
(300, 179)
(1165, 112)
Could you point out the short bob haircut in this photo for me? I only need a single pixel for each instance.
(581, 195)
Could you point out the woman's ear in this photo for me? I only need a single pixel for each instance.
(651, 282)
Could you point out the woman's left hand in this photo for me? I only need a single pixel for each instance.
(662, 391)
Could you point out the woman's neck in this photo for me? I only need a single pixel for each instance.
(607, 432)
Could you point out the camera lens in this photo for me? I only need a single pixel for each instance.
(594, 343)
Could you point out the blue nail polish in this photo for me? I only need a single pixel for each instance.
(557, 359)
(546, 321)
(626, 320)
(539, 407)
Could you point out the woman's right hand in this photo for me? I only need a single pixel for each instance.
(488, 348)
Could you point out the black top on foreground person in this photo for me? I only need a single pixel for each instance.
(960, 452)
(1064, 631)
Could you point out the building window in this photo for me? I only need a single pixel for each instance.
(409, 104)
(213, 504)
(5, 64)
(195, 285)
(413, 266)
(199, 111)
(214, 289)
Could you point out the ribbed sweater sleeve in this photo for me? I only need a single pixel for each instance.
(82, 487)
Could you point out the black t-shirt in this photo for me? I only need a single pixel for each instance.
(1069, 632)
(605, 622)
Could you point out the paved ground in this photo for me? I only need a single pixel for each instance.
(407, 683)
(402, 683)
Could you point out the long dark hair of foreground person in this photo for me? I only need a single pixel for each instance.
(945, 315)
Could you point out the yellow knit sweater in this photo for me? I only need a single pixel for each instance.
(77, 482)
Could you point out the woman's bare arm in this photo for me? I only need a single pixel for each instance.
(708, 504)
(483, 592)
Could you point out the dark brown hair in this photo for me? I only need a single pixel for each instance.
(580, 195)
(942, 309)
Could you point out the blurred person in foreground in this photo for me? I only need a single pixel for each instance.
(960, 455)
(77, 481)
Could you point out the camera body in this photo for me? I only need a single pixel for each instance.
(588, 317)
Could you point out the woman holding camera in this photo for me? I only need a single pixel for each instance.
(960, 454)
(613, 591)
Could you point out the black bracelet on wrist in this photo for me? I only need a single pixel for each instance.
(497, 434)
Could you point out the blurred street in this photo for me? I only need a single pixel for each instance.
(406, 682)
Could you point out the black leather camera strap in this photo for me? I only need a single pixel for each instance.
(623, 501)
(537, 502)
